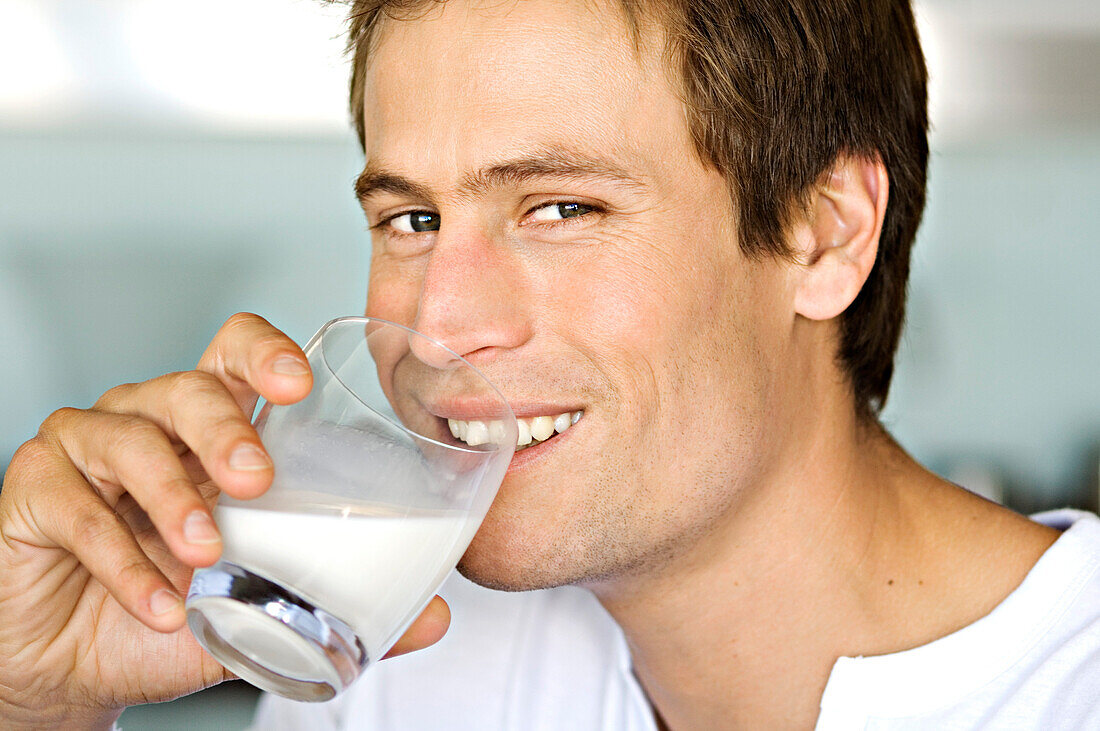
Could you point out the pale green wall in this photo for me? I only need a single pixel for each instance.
(1001, 359)
(120, 254)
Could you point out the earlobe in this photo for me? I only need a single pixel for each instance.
(838, 242)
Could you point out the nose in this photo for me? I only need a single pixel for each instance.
(472, 298)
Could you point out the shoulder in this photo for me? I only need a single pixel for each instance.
(1056, 680)
(1070, 573)
(1032, 663)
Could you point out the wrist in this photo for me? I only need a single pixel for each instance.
(16, 717)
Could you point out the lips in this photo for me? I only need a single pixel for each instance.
(532, 429)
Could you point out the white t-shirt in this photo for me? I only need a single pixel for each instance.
(555, 660)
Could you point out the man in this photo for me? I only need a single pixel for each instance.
(689, 222)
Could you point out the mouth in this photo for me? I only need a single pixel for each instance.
(532, 429)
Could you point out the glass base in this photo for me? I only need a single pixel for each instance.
(270, 636)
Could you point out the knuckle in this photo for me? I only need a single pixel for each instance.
(96, 527)
(242, 320)
(32, 451)
(58, 420)
(225, 347)
(186, 386)
(134, 434)
(113, 398)
(271, 344)
(180, 488)
(228, 427)
(30, 458)
(131, 570)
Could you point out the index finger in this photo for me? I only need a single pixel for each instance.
(251, 356)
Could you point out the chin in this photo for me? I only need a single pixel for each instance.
(508, 556)
(493, 566)
(493, 578)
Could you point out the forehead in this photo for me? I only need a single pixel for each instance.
(466, 75)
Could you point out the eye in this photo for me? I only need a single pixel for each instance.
(560, 211)
(415, 222)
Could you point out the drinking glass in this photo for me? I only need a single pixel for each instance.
(374, 501)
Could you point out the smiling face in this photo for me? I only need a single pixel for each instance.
(536, 205)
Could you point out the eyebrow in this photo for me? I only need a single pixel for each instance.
(550, 162)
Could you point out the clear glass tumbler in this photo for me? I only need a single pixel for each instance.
(373, 503)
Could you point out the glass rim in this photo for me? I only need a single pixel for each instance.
(363, 319)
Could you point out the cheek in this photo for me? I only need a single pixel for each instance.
(393, 290)
(644, 307)
(643, 318)
(683, 338)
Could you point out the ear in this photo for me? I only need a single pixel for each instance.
(838, 242)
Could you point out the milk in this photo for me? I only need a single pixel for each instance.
(362, 521)
(372, 567)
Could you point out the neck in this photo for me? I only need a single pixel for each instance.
(854, 549)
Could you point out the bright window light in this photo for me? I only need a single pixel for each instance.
(35, 71)
(245, 63)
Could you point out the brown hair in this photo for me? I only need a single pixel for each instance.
(775, 91)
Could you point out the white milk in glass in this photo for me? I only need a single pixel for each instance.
(372, 569)
(373, 565)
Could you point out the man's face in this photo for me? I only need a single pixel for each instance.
(536, 204)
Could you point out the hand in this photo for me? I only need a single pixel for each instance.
(105, 514)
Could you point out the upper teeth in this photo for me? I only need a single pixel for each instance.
(533, 429)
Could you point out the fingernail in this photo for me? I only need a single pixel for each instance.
(200, 529)
(248, 458)
(163, 601)
(288, 365)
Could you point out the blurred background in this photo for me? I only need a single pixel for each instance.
(164, 165)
